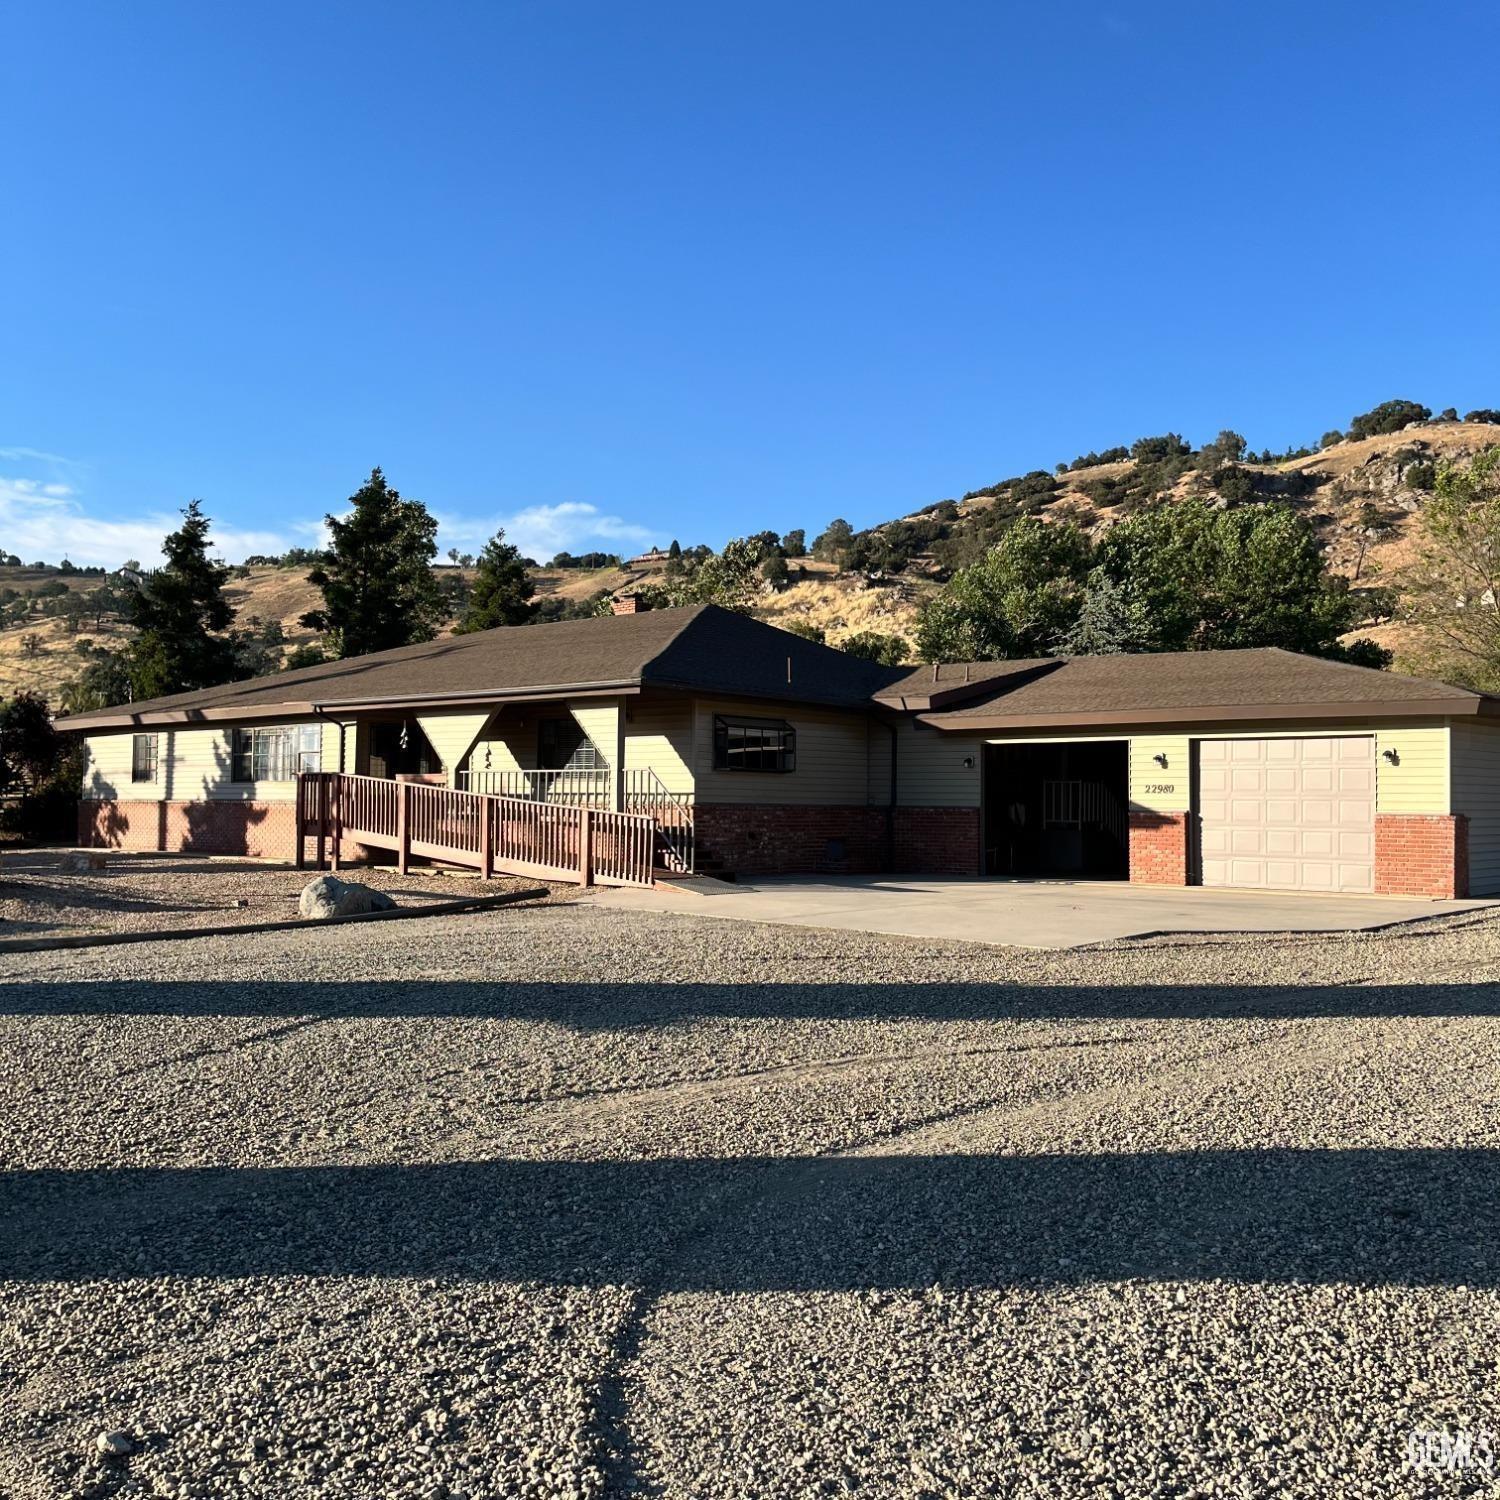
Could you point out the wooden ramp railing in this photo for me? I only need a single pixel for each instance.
(505, 835)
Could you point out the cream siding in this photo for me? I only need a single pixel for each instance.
(1418, 780)
(451, 736)
(1476, 794)
(193, 765)
(930, 769)
(106, 775)
(602, 722)
(1158, 788)
(659, 738)
(832, 757)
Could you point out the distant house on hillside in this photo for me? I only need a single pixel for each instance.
(653, 557)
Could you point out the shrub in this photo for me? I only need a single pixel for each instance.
(871, 645)
(1483, 414)
(1234, 484)
(1420, 476)
(1148, 450)
(1331, 438)
(807, 630)
(1389, 416)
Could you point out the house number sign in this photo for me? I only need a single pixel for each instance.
(1156, 788)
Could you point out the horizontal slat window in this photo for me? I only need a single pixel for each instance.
(754, 745)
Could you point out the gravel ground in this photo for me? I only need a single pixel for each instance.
(156, 893)
(547, 1202)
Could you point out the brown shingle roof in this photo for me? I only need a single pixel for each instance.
(703, 648)
(1184, 686)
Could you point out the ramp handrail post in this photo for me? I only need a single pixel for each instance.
(403, 827)
(586, 846)
(486, 836)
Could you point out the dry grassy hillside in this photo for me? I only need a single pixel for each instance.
(1363, 498)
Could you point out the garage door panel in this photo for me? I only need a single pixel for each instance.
(1293, 812)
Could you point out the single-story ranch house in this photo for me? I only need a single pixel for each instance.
(755, 751)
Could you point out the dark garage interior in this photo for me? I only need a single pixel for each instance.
(1057, 810)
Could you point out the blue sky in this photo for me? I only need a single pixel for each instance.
(609, 274)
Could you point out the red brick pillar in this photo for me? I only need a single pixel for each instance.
(1421, 854)
(1158, 848)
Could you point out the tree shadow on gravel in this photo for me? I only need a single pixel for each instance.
(1419, 1217)
(587, 1006)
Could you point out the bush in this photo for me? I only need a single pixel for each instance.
(807, 630)
(1093, 460)
(1331, 438)
(1420, 476)
(871, 645)
(1483, 414)
(1234, 484)
(1389, 416)
(1148, 450)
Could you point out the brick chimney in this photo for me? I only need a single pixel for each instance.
(624, 604)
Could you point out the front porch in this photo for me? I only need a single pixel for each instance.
(538, 765)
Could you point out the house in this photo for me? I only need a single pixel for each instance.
(753, 750)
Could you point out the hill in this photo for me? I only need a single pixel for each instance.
(1362, 498)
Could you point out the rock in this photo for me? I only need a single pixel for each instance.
(114, 1444)
(328, 896)
(81, 861)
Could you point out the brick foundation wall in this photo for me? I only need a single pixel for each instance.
(1421, 854)
(261, 830)
(1158, 848)
(937, 840)
(790, 839)
(787, 839)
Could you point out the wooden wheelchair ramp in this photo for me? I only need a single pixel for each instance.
(476, 830)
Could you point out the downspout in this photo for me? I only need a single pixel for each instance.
(321, 713)
(890, 809)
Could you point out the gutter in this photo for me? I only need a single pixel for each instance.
(1438, 708)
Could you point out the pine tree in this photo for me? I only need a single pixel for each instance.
(376, 579)
(182, 618)
(502, 589)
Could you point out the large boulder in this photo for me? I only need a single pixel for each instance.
(328, 896)
(81, 861)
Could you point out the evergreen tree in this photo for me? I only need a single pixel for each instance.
(376, 579)
(182, 618)
(502, 589)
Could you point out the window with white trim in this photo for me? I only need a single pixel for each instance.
(276, 752)
(754, 744)
(143, 759)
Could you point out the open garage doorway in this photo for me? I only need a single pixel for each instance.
(1057, 810)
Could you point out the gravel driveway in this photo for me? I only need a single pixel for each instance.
(561, 1201)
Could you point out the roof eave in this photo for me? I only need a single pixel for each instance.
(1219, 714)
(122, 718)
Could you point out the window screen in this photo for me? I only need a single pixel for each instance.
(563, 746)
(276, 753)
(754, 745)
(143, 757)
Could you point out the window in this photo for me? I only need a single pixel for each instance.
(562, 745)
(754, 745)
(277, 753)
(143, 757)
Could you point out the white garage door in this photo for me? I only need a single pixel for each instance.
(1288, 814)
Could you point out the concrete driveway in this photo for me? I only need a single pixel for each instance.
(1024, 914)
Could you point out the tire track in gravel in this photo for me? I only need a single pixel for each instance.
(781, 1187)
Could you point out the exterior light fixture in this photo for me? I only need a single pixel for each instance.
(1160, 759)
(1391, 757)
(968, 762)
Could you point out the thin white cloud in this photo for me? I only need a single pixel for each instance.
(540, 531)
(46, 522)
